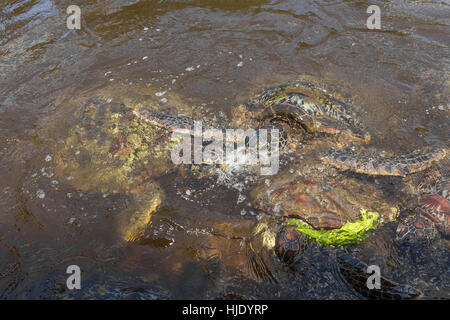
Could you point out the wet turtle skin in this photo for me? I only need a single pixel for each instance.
(186, 126)
(400, 165)
(170, 122)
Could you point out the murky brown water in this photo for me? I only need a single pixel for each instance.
(211, 55)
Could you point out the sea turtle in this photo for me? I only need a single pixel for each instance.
(302, 104)
(106, 142)
(333, 200)
(101, 147)
(321, 194)
(320, 190)
(308, 106)
(114, 145)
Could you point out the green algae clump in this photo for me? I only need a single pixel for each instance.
(350, 233)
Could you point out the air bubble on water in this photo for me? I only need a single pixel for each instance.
(238, 186)
(48, 158)
(45, 174)
(276, 208)
(40, 194)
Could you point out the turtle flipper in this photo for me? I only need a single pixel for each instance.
(401, 165)
(355, 273)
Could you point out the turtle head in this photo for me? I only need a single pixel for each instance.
(289, 243)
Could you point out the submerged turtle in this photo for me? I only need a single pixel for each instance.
(109, 149)
(304, 105)
(327, 198)
(327, 208)
(105, 149)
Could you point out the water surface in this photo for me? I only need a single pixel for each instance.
(211, 55)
